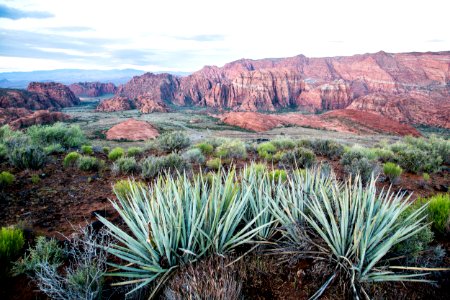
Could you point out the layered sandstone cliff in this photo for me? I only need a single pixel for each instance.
(92, 89)
(392, 85)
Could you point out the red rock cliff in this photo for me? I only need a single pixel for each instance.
(92, 89)
(405, 82)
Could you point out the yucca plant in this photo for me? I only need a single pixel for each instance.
(358, 227)
(177, 221)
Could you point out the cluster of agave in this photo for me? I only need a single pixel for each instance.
(179, 219)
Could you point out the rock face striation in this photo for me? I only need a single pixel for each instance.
(92, 89)
(407, 87)
(132, 130)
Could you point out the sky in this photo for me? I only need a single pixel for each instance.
(185, 35)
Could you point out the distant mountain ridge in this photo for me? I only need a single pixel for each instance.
(69, 76)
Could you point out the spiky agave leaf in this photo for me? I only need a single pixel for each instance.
(359, 227)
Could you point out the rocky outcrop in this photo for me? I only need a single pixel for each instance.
(144, 103)
(54, 95)
(314, 84)
(38, 96)
(18, 118)
(132, 130)
(116, 103)
(92, 89)
(147, 105)
(39, 117)
(343, 120)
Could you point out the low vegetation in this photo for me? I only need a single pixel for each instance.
(11, 242)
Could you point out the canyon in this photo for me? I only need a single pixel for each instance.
(412, 88)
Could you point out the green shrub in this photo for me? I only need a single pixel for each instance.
(35, 179)
(89, 163)
(300, 157)
(412, 247)
(125, 165)
(426, 177)
(3, 152)
(205, 147)
(328, 148)
(58, 133)
(266, 150)
(234, 149)
(86, 149)
(45, 251)
(116, 153)
(356, 162)
(439, 212)
(70, 159)
(106, 150)
(194, 156)
(28, 157)
(11, 242)
(173, 141)
(153, 166)
(392, 171)
(282, 143)
(53, 148)
(6, 178)
(416, 160)
(214, 163)
(134, 151)
(278, 175)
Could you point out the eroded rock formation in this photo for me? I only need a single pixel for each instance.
(392, 85)
(92, 89)
(18, 118)
(132, 130)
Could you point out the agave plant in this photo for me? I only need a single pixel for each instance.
(288, 204)
(358, 226)
(177, 221)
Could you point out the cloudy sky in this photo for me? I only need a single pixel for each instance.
(182, 35)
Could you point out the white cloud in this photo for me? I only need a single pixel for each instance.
(185, 35)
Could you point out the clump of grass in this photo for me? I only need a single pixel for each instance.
(35, 179)
(266, 150)
(58, 133)
(439, 212)
(283, 143)
(392, 171)
(153, 166)
(89, 163)
(86, 149)
(27, 157)
(6, 179)
(11, 242)
(300, 157)
(234, 149)
(45, 251)
(125, 165)
(71, 159)
(205, 147)
(328, 148)
(53, 148)
(116, 153)
(106, 150)
(194, 156)
(134, 151)
(214, 163)
(426, 177)
(173, 141)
